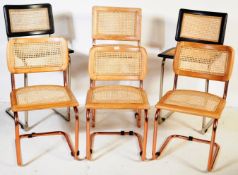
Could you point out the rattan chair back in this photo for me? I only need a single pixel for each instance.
(114, 23)
(29, 55)
(28, 20)
(117, 63)
(212, 62)
(201, 26)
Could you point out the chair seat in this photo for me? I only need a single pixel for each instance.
(42, 97)
(168, 53)
(192, 102)
(116, 97)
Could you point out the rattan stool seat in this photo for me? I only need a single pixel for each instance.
(42, 97)
(192, 102)
(117, 97)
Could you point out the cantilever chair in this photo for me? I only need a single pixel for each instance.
(28, 21)
(212, 62)
(196, 26)
(36, 55)
(117, 62)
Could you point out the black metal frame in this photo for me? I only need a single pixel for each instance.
(203, 13)
(6, 9)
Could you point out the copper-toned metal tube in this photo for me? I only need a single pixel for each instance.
(139, 137)
(65, 78)
(138, 118)
(175, 81)
(212, 155)
(13, 81)
(50, 134)
(17, 140)
(225, 89)
(93, 117)
(92, 83)
(155, 134)
(88, 143)
(141, 84)
(143, 156)
(76, 148)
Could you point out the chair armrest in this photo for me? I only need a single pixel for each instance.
(168, 53)
(70, 51)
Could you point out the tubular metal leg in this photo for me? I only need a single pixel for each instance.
(8, 110)
(163, 118)
(26, 113)
(206, 126)
(69, 83)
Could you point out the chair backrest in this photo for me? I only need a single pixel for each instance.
(29, 55)
(115, 23)
(28, 20)
(117, 63)
(201, 26)
(208, 61)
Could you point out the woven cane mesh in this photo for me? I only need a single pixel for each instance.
(41, 95)
(28, 54)
(194, 99)
(117, 94)
(27, 20)
(204, 61)
(117, 64)
(116, 22)
(201, 27)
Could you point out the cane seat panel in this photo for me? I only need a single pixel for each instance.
(42, 97)
(192, 102)
(117, 97)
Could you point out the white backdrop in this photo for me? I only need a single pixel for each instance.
(159, 18)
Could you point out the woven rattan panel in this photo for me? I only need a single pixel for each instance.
(116, 23)
(117, 94)
(41, 95)
(193, 99)
(27, 54)
(205, 61)
(118, 63)
(201, 27)
(25, 20)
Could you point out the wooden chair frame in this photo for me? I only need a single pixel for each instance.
(91, 113)
(169, 53)
(11, 34)
(74, 149)
(214, 147)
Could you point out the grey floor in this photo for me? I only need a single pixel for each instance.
(115, 154)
